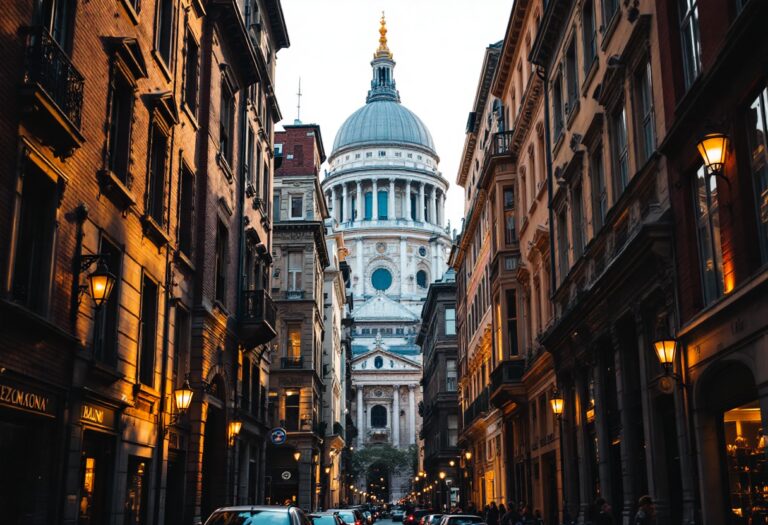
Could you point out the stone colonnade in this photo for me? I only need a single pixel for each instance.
(393, 422)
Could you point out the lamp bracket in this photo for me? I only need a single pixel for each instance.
(86, 261)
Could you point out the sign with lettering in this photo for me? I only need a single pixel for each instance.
(97, 415)
(27, 399)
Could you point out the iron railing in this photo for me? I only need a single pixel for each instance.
(292, 362)
(49, 66)
(479, 407)
(510, 371)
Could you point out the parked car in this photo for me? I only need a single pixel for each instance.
(397, 514)
(368, 517)
(460, 519)
(349, 516)
(431, 519)
(257, 515)
(414, 517)
(325, 518)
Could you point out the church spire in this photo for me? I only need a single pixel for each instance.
(383, 83)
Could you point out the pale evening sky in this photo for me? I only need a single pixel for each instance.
(438, 46)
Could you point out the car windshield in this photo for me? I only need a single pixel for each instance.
(249, 517)
(347, 516)
(323, 520)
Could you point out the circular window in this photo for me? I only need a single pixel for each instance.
(421, 278)
(378, 362)
(422, 251)
(381, 279)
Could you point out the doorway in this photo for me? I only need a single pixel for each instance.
(214, 491)
(96, 473)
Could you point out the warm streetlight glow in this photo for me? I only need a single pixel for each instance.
(442, 475)
(468, 455)
(101, 283)
(327, 470)
(234, 429)
(297, 455)
(416, 478)
(713, 149)
(352, 487)
(557, 403)
(665, 351)
(452, 463)
(183, 396)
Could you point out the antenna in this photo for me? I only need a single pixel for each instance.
(298, 103)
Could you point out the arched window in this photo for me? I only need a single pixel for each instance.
(421, 278)
(378, 362)
(383, 204)
(378, 416)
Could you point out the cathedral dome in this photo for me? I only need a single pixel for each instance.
(383, 122)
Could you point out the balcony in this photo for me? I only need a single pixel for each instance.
(294, 295)
(258, 318)
(507, 383)
(52, 93)
(502, 143)
(292, 363)
(479, 407)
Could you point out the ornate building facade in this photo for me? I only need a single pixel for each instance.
(387, 195)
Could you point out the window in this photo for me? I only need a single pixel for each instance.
(557, 106)
(757, 131)
(276, 208)
(248, 167)
(368, 154)
(562, 243)
(186, 211)
(421, 279)
(109, 315)
(191, 74)
(571, 76)
(245, 395)
(59, 16)
(511, 297)
(222, 259)
(297, 206)
(707, 210)
(413, 206)
(450, 375)
(353, 201)
(381, 279)
(577, 209)
(619, 150)
(368, 206)
(453, 431)
(148, 331)
(510, 235)
(589, 34)
(182, 336)
(450, 321)
(293, 341)
(292, 399)
(295, 264)
(120, 121)
(382, 204)
(137, 490)
(644, 112)
(35, 240)
(226, 122)
(164, 31)
(599, 194)
(382, 153)
(609, 9)
(378, 416)
(378, 362)
(689, 34)
(157, 167)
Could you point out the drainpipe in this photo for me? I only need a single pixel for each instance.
(543, 74)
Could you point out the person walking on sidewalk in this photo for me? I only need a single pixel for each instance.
(646, 514)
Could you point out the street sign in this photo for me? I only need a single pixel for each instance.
(278, 436)
(286, 475)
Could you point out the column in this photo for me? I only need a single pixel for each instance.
(360, 202)
(359, 267)
(420, 204)
(344, 203)
(396, 415)
(433, 257)
(391, 200)
(336, 206)
(403, 269)
(375, 201)
(433, 205)
(629, 445)
(407, 201)
(441, 210)
(360, 419)
(329, 198)
(411, 415)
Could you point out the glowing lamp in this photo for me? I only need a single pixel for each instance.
(452, 463)
(234, 427)
(100, 284)
(665, 351)
(442, 475)
(297, 455)
(557, 403)
(183, 396)
(713, 148)
(327, 470)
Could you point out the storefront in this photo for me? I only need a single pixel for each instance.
(30, 455)
(97, 463)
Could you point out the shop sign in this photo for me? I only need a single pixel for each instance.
(97, 415)
(278, 436)
(27, 399)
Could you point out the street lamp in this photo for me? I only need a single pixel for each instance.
(234, 429)
(557, 403)
(665, 351)
(468, 455)
(713, 148)
(297, 455)
(101, 282)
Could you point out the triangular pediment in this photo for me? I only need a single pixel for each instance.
(390, 363)
(382, 308)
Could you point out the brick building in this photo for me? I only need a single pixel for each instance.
(137, 136)
(301, 257)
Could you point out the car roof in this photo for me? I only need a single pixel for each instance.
(241, 508)
(462, 516)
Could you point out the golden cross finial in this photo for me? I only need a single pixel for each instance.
(383, 50)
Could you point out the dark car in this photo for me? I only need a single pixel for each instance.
(349, 516)
(414, 517)
(257, 515)
(460, 519)
(325, 518)
(431, 519)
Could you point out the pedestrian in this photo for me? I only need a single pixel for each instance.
(492, 516)
(510, 517)
(603, 512)
(646, 514)
(502, 510)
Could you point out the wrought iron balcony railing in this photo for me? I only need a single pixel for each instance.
(49, 67)
(258, 318)
(477, 408)
(288, 363)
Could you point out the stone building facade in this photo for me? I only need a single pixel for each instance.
(128, 146)
(301, 257)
